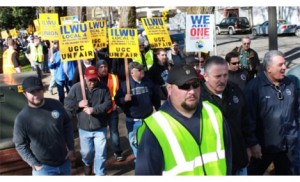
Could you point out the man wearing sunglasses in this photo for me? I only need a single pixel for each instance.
(272, 118)
(248, 57)
(230, 100)
(186, 136)
(236, 74)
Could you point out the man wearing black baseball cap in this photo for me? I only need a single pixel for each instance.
(185, 137)
(43, 132)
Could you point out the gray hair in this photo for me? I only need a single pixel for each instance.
(245, 37)
(268, 58)
(213, 60)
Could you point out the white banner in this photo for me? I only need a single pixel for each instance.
(199, 34)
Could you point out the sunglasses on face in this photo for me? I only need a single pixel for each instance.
(187, 86)
(246, 43)
(235, 63)
(278, 93)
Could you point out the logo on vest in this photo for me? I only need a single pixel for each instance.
(55, 114)
(235, 99)
(243, 77)
(288, 91)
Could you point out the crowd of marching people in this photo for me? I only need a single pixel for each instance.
(186, 114)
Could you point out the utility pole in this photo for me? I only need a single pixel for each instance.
(110, 17)
(273, 39)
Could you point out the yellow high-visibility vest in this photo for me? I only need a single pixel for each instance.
(36, 53)
(148, 58)
(182, 154)
(8, 66)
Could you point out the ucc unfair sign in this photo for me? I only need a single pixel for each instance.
(75, 42)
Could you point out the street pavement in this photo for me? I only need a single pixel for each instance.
(289, 45)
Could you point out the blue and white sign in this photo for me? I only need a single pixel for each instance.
(199, 32)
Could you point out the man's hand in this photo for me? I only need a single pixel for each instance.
(37, 168)
(249, 154)
(256, 151)
(114, 107)
(88, 110)
(71, 155)
(127, 97)
(83, 103)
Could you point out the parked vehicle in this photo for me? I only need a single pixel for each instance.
(282, 28)
(297, 31)
(179, 37)
(233, 25)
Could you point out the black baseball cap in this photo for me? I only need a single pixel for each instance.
(191, 60)
(101, 62)
(180, 74)
(32, 83)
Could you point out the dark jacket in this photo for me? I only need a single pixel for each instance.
(254, 63)
(143, 97)
(271, 122)
(158, 74)
(233, 107)
(99, 98)
(240, 78)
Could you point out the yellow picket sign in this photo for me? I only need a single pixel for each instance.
(37, 26)
(66, 20)
(157, 33)
(123, 43)
(75, 42)
(4, 34)
(29, 28)
(13, 33)
(98, 33)
(49, 26)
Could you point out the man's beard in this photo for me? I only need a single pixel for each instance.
(189, 107)
(37, 103)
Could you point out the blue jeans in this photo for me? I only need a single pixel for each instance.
(52, 81)
(93, 149)
(296, 156)
(64, 169)
(132, 127)
(39, 66)
(45, 64)
(60, 89)
(242, 172)
(113, 123)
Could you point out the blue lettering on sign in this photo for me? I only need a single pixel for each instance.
(153, 22)
(118, 32)
(73, 28)
(202, 19)
(93, 25)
